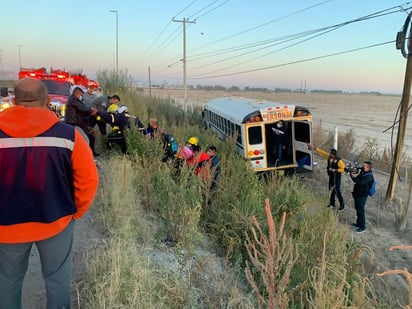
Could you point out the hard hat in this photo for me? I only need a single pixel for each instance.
(112, 108)
(122, 109)
(193, 140)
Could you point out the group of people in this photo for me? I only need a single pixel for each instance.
(363, 180)
(86, 110)
(206, 164)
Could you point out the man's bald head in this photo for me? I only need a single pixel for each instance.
(30, 92)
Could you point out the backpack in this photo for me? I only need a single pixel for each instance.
(170, 144)
(372, 189)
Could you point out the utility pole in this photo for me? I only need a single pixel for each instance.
(403, 117)
(19, 47)
(184, 21)
(1, 59)
(150, 84)
(117, 41)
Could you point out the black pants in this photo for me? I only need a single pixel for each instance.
(119, 140)
(334, 187)
(360, 202)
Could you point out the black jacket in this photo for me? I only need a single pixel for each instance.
(363, 182)
(77, 113)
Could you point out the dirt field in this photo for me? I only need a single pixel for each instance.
(369, 116)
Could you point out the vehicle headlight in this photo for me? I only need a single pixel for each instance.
(4, 105)
(58, 108)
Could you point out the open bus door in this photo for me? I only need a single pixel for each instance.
(301, 136)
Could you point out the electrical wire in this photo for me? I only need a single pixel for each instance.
(256, 27)
(212, 9)
(174, 36)
(324, 29)
(163, 31)
(262, 25)
(294, 62)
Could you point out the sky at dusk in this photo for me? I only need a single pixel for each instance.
(334, 44)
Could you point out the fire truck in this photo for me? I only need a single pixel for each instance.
(59, 84)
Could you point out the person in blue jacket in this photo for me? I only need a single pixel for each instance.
(363, 182)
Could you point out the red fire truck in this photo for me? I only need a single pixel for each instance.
(59, 84)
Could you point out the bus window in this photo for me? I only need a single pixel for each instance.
(255, 135)
(302, 132)
(239, 134)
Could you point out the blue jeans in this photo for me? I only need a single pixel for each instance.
(278, 151)
(55, 258)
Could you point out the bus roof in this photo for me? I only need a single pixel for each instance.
(239, 109)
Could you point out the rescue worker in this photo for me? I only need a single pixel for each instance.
(200, 160)
(185, 153)
(102, 103)
(118, 118)
(78, 115)
(89, 95)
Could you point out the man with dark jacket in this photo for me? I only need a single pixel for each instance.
(363, 182)
(48, 181)
(78, 114)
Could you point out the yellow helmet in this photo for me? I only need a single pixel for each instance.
(112, 108)
(193, 140)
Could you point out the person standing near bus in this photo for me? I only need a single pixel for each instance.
(335, 168)
(280, 140)
(363, 182)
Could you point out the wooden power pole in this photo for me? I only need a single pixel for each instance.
(403, 117)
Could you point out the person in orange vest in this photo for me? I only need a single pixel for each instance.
(48, 181)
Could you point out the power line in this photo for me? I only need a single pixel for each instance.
(171, 38)
(294, 62)
(259, 26)
(286, 39)
(277, 41)
(209, 11)
(163, 31)
(263, 25)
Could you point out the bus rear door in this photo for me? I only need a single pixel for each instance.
(255, 146)
(302, 136)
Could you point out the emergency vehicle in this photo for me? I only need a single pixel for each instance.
(59, 84)
(253, 122)
(5, 99)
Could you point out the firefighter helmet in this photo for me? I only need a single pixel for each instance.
(112, 108)
(193, 140)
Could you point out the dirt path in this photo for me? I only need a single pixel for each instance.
(380, 232)
(86, 237)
